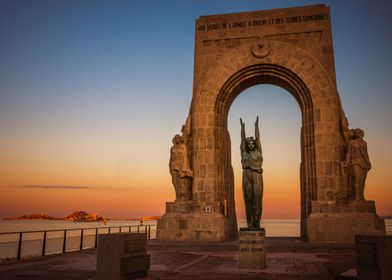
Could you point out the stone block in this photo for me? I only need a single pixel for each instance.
(134, 266)
(360, 208)
(342, 227)
(172, 221)
(252, 249)
(374, 258)
(195, 226)
(183, 224)
(162, 224)
(122, 256)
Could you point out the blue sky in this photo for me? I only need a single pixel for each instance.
(91, 92)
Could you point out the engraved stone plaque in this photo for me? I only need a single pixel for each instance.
(122, 256)
(134, 246)
(252, 249)
(134, 264)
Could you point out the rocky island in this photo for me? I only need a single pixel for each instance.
(40, 216)
(82, 216)
(76, 216)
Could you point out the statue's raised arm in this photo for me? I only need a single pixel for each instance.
(243, 145)
(257, 135)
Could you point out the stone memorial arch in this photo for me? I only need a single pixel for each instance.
(291, 48)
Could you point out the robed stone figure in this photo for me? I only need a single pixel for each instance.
(179, 165)
(357, 164)
(252, 176)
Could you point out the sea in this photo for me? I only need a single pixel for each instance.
(32, 239)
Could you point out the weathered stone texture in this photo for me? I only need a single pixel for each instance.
(374, 259)
(252, 253)
(291, 48)
(340, 221)
(122, 256)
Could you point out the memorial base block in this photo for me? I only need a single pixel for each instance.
(188, 221)
(374, 258)
(252, 249)
(122, 256)
(341, 221)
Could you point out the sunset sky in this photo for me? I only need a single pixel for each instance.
(92, 92)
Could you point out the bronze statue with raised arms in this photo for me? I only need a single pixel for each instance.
(252, 176)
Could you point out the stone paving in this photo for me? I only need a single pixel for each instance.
(286, 259)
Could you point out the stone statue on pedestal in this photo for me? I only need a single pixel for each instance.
(179, 165)
(357, 164)
(252, 178)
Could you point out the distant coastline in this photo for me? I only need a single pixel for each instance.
(40, 217)
(147, 218)
(82, 216)
(76, 216)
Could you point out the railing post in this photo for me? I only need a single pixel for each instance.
(19, 246)
(120, 229)
(109, 230)
(44, 244)
(96, 238)
(149, 232)
(81, 239)
(129, 229)
(65, 241)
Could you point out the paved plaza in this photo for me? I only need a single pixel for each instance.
(287, 258)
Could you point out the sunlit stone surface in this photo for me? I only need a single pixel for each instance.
(291, 48)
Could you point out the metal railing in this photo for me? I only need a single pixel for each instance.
(65, 235)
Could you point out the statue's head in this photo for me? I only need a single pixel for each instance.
(250, 143)
(358, 133)
(177, 139)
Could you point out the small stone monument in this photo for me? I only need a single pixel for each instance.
(252, 248)
(374, 259)
(122, 256)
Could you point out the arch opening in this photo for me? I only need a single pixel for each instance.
(284, 78)
(280, 123)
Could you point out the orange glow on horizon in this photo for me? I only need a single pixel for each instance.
(279, 201)
(121, 179)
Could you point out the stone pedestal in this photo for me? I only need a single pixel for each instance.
(190, 221)
(340, 221)
(252, 249)
(122, 256)
(374, 257)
